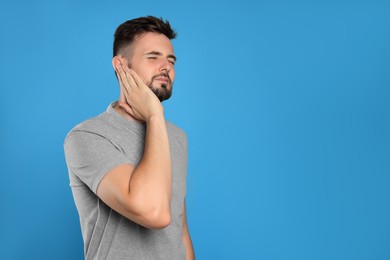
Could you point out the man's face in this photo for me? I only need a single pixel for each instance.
(153, 60)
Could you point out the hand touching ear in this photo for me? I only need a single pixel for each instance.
(136, 98)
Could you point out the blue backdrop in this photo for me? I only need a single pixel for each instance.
(285, 103)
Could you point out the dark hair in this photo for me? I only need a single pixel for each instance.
(126, 33)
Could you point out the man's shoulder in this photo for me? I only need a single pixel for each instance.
(92, 125)
(177, 134)
(175, 130)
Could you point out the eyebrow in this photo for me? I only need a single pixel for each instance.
(160, 54)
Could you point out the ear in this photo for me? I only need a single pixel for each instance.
(118, 61)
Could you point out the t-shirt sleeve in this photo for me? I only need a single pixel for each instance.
(91, 156)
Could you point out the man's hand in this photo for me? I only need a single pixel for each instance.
(136, 98)
(142, 193)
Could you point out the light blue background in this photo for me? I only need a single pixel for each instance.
(286, 106)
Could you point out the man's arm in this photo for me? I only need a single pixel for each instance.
(190, 254)
(142, 193)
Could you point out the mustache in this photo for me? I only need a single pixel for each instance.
(163, 74)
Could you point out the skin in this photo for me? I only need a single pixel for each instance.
(143, 193)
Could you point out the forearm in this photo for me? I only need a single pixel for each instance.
(190, 254)
(141, 193)
(151, 182)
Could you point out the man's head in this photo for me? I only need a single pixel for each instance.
(144, 45)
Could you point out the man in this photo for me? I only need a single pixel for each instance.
(127, 166)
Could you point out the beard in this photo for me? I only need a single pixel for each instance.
(164, 91)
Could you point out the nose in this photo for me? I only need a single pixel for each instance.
(166, 65)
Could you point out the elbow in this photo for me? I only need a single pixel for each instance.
(156, 218)
(159, 219)
(153, 216)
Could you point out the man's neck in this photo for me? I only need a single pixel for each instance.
(123, 113)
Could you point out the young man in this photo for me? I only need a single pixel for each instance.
(127, 166)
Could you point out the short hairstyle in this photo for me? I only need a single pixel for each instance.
(127, 32)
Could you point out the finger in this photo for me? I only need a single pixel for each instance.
(132, 80)
(123, 78)
(118, 74)
(123, 90)
(137, 78)
(122, 97)
(129, 78)
(126, 91)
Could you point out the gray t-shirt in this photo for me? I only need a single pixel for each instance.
(95, 147)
